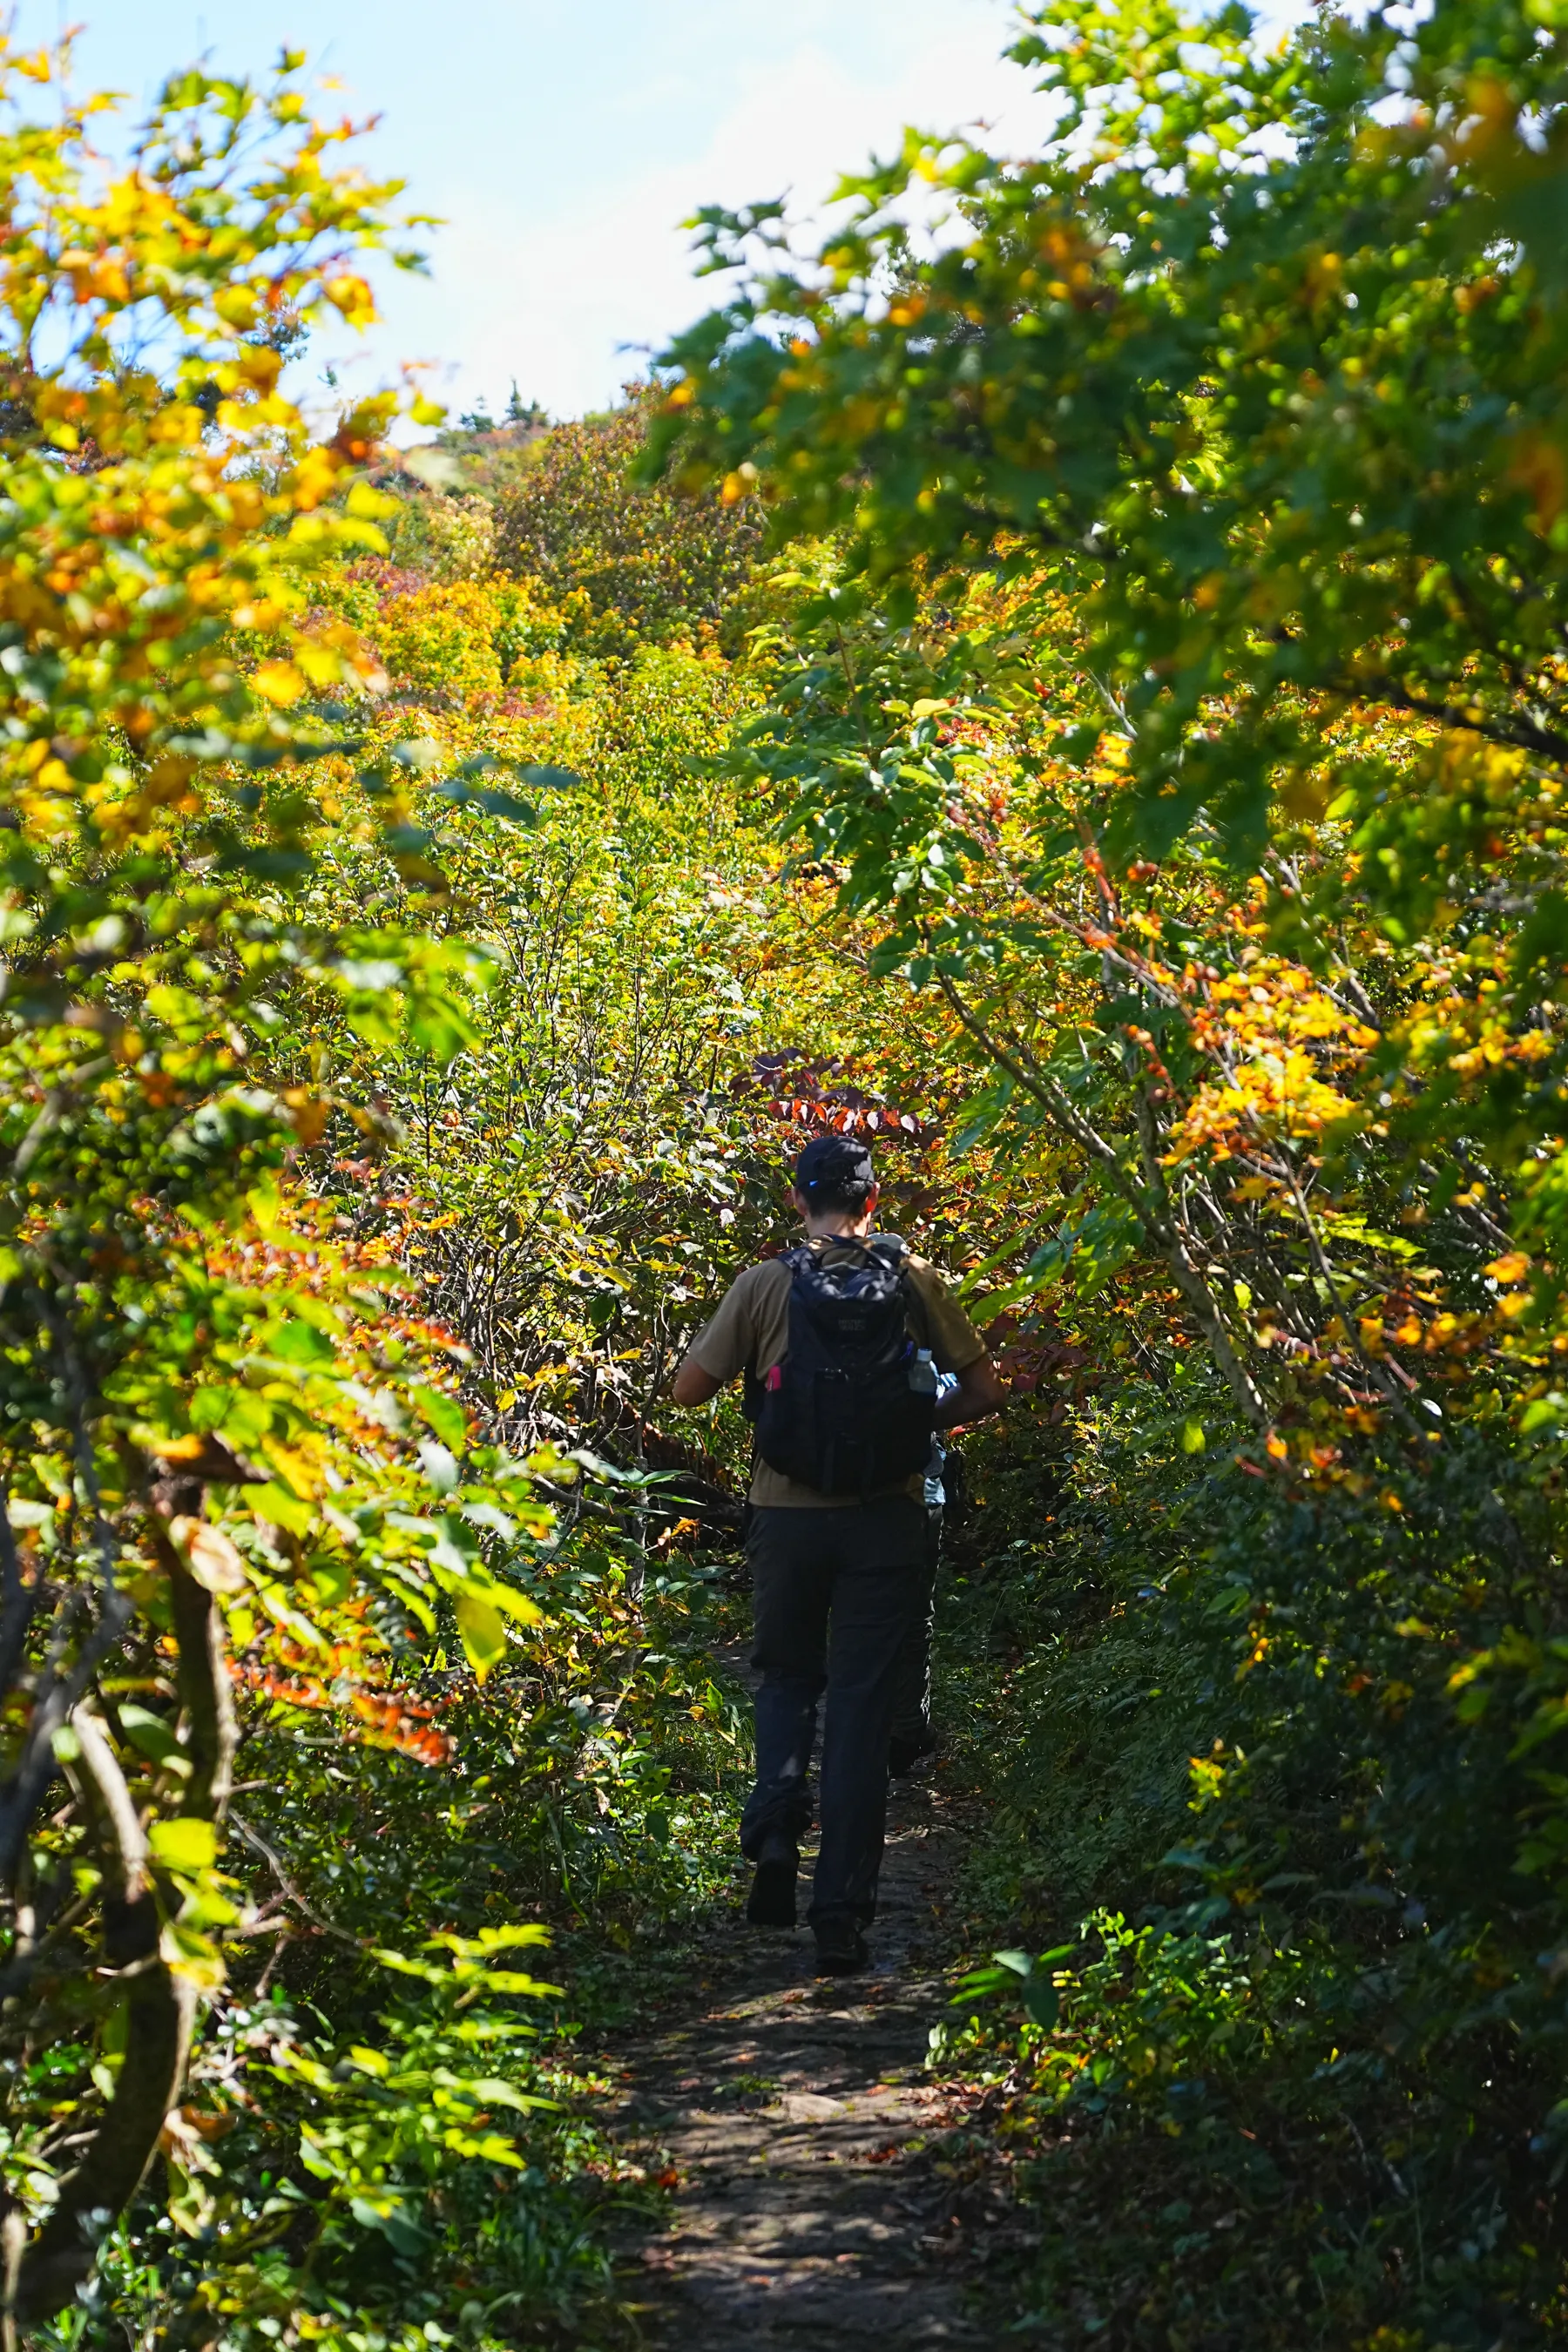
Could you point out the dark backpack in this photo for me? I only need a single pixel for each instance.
(851, 1407)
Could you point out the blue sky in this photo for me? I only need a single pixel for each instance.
(563, 141)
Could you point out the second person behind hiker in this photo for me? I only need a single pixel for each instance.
(840, 1343)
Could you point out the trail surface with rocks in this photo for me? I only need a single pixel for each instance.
(824, 2195)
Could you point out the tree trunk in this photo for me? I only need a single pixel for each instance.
(41, 2277)
(160, 2008)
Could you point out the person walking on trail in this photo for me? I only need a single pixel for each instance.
(840, 1341)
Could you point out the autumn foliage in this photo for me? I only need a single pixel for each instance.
(1179, 710)
(1078, 699)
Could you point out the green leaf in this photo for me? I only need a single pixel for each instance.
(513, 1981)
(515, 1605)
(490, 1516)
(317, 2159)
(389, 2216)
(183, 1845)
(150, 1736)
(483, 1631)
(490, 799)
(186, 1952)
(276, 1504)
(443, 1414)
(1041, 2000)
(491, 1940)
(397, 1580)
(299, 1342)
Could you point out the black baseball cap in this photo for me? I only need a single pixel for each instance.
(834, 1164)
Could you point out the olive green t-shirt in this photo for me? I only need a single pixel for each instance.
(751, 1327)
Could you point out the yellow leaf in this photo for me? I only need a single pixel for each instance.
(322, 665)
(188, 1845)
(108, 282)
(177, 1449)
(187, 1953)
(315, 478)
(260, 365)
(236, 305)
(1540, 468)
(307, 1114)
(353, 296)
(280, 681)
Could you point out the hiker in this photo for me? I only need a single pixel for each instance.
(841, 1341)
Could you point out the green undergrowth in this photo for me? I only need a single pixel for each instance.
(1274, 2042)
(392, 2133)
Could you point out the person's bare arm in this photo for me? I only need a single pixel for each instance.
(692, 1385)
(979, 1392)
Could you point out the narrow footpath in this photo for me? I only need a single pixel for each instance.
(825, 2192)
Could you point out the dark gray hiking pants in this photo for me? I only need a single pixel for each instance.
(836, 1593)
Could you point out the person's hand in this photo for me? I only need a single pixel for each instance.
(979, 1391)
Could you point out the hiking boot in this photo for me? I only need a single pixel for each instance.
(903, 1755)
(840, 1948)
(771, 1903)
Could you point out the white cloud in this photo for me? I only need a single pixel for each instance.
(564, 247)
(552, 297)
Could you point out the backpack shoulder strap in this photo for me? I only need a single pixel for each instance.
(752, 1389)
(894, 1252)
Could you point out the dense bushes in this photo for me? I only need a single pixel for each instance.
(349, 1145)
(1288, 2070)
(414, 970)
(651, 566)
(1177, 705)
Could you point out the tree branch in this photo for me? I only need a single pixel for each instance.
(205, 1689)
(160, 2009)
(18, 1600)
(23, 1791)
(1190, 1282)
(1518, 734)
(1151, 1202)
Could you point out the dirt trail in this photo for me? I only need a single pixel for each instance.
(814, 2205)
